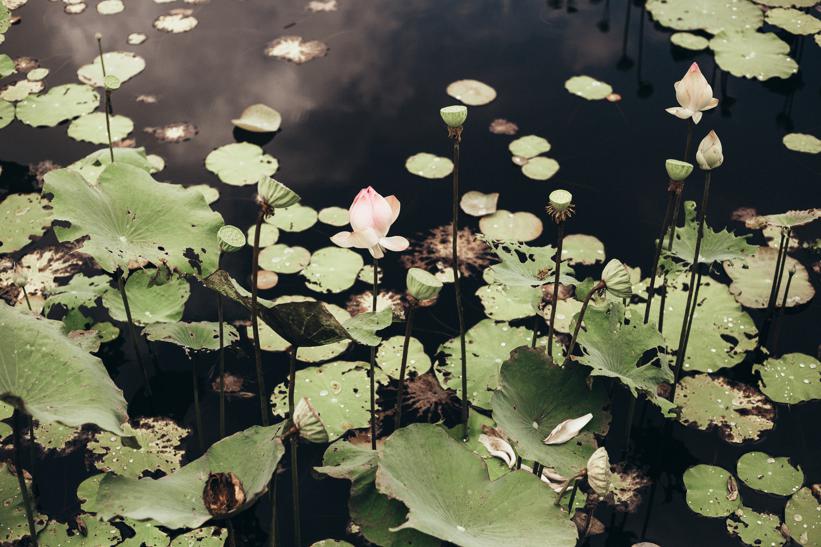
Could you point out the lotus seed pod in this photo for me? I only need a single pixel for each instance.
(272, 194)
(598, 472)
(709, 154)
(111, 82)
(560, 200)
(678, 170)
(231, 238)
(454, 116)
(307, 421)
(616, 279)
(422, 285)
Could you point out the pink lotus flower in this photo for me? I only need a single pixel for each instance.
(694, 95)
(371, 216)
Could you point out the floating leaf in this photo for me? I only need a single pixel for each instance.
(92, 128)
(80, 291)
(389, 356)
(150, 302)
(333, 270)
(793, 378)
(203, 335)
(529, 146)
(282, 259)
(690, 41)
(296, 50)
(750, 54)
(207, 536)
(471, 92)
(363, 326)
(753, 277)
(588, 88)
(335, 216)
(91, 166)
(268, 235)
(540, 168)
(713, 16)
(582, 249)
(794, 21)
(240, 163)
(110, 7)
(429, 166)
(13, 523)
(802, 142)
(765, 473)
(57, 105)
(295, 218)
(506, 303)
(788, 3)
(153, 445)
(123, 65)
(802, 518)
(24, 217)
(259, 118)
(6, 113)
(506, 226)
(711, 491)
(54, 436)
(96, 533)
(754, 528)
(176, 21)
(478, 204)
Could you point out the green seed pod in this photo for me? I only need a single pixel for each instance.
(422, 285)
(616, 279)
(111, 82)
(307, 421)
(560, 205)
(273, 194)
(455, 115)
(598, 472)
(231, 238)
(678, 170)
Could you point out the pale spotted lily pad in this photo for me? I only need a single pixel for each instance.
(20, 89)
(258, 118)
(268, 235)
(506, 303)
(296, 50)
(42, 268)
(150, 302)
(80, 291)
(97, 533)
(478, 204)
(54, 436)
(57, 105)
(449, 494)
(282, 259)
(155, 446)
(176, 21)
(794, 21)
(333, 216)
(802, 518)
(711, 491)
(338, 391)
(198, 336)
(750, 54)
(754, 528)
(529, 146)
(429, 166)
(582, 249)
(124, 65)
(507, 226)
(207, 536)
(389, 356)
(6, 112)
(471, 92)
(738, 412)
(333, 270)
(588, 88)
(92, 128)
(13, 523)
(713, 16)
(91, 166)
(136, 38)
(752, 280)
(24, 217)
(688, 40)
(793, 378)
(788, 3)
(110, 7)
(240, 163)
(540, 168)
(802, 142)
(765, 473)
(295, 218)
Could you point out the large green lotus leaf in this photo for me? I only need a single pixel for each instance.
(450, 496)
(477, 425)
(281, 258)
(753, 277)
(153, 445)
(80, 291)
(202, 335)
(58, 104)
(91, 166)
(24, 217)
(582, 249)
(715, 246)
(97, 534)
(240, 163)
(535, 395)
(802, 518)
(792, 378)
(588, 88)
(711, 491)
(175, 500)
(754, 528)
(769, 474)
(13, 523)
(92, 128)
(6, 113)
(338, 391)
(376, 514)
(123, 65)
(488, 345)
(794, 21)
(506, 226)
(45, 374)
(389, 356)
(149, 302)
(207, 536)
(429, 166)
(529, 146)
(738, 412)
(710, 15)
(294, 218)
(506, 303)
(613, 342)
(98, 333)
(751, 54)
(333, 270)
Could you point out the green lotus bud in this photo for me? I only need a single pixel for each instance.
(598, 472)
(616, 279)
(272, 194)
(560, 205)
(678, 170)
(111, 82)
(455, 115)
(307, 421)
(422, 285)
(709, 154)
(231, 238)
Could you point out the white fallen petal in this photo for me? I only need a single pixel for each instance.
(499, 448)
(568, 429)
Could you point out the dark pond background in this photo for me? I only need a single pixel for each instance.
(352, 118)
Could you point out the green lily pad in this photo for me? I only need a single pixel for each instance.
(738, 412)
(176, 500)
(153, 445)
(389, 356)
(57, 105)
(753, 277)
(794, 21)
(259, 118)
(123, 65)
(54, 436)
(203, 335)
(363, 327)
(688, 40)
(802, 142)
(765, 473)
(506, 303)
(715, 246)
(145, 535)
(802, 518)
(713, 16)
(478, 425)
(91, 166)
(750, 54)
(24, 217)
(45, 374)
(207, 536)
(97, 533)
(471, 92)
(788, 3)
(582, 249)
(85, 331)
(268, 235)
(92, 128)
(588, 88)
(6, 113)
(754, 528)
(338, 391)
(240, 163)
(429, 166)
(7, 67)
(128, 217)
(792, 378)
(296, 218)
(529, 146)
(333, 270)
(283, 259)
(506, 226)
(149, 302)
(450, 496)
(478, 204)
(13, 523)
(711, 491)
(334, 216)
(540, 168)
(209, 193)
(80, 291)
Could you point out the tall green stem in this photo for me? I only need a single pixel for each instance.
(372, 370)
(263, 397)
(783, 242)
(779, 313)
(294, 442)
(107, 98)
(220, 318)
(400, 394)
(780, 262)
(596, 288)
(659, 245)
(133, 332)
(673, 224)
(26, 296)
(554, 301)
(197, 412)
(21, 480)
(456, 135)
(272, 489)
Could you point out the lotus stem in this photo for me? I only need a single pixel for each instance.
(535, 329)
(232, 534)
(628, 429)
(26, 296)
(197, 412)
(107, 98)
(372, 370)
(659, 245)
(772, 298)
(781, 270)
(676, 209)
(272, 492)
(263, 403)
(573, 496)
(294, 442)
(572, 480)
(403, 367)
(780, 313)
(688, 145)
(21, 479)
(133, 332)
(780, 261)
(596, 288)
(220, 318)
(554, 301)
(688, 328)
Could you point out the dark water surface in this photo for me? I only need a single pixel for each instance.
(352, 118)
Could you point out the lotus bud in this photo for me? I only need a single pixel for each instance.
(454, 116)
(598, 472)
(616, 279)
(307, 421)
(678, 170)
(272, 194)
(423, 286)
(709, 154)
(98, 36)
(560, 205)
(231, 238)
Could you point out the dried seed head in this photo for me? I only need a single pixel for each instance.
(223, 494)
(560, 205)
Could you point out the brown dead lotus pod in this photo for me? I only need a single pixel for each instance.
(501, 126)
(223, 494)
(732, 489)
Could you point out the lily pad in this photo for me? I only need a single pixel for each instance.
(506, 303)
(153, 445)
(123, 65)
(588, 88)
(57, 105)
(96, 533)
(752, 280)
(794, 21)
(24, 217)
(258, 118)
(207, 536)
(765, 473)
(477, 204)
(92, 128)
(750, 54)
(240, 163)
(333, 270)
(711, 491)
(788, 3)
(715, 246)
(149, 301)
(389, 356)
(110, 7)
(13, 523)
(176, 21)
(295, 218)
(802, 518)
(429, 166)
(471, 92)
(80, 291)
(529, 146)
(713, 16)
(688, 40)
(295, 49)
(540, 168)
(268, 235)
(6, 113)
(53, 436)
(203, 335)
(793, 378)
(754, 528)
(802, 142)
(334, 216)
(506, 226)
(91, 166)
(582, 249)
(283, 259)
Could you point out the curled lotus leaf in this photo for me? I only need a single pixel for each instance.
(713, 16)
(802, 518)
(792, 378)
(123, 65)
(773, 475)
(752, 280)
(751, 54)
(754, 528)
(24, 217)
(240, 163)
(149, 300)
(711, 491)
(58, 104)
(259, 118)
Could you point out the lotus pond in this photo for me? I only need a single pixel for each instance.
(234, 312)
